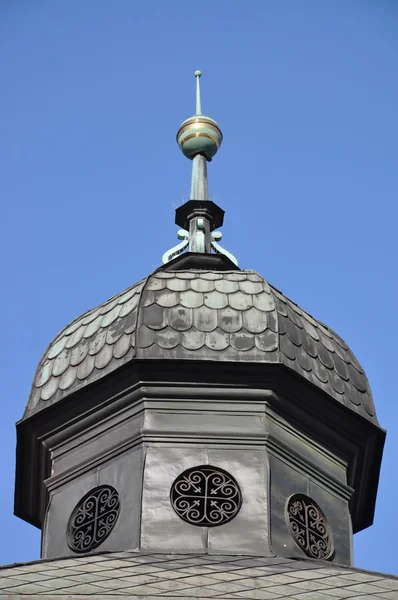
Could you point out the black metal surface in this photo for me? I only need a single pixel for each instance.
(198, 260)
(206, 208)
(93, 519)
(206, 496)
(309, 527)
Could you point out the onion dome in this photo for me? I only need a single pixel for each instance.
(200, 307)
(200, 315)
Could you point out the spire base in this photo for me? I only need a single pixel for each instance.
(196, 260)
(199, 219)
(206, 209)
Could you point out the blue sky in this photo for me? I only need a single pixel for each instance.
(92, 96)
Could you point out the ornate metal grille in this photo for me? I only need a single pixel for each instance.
(309, 527)
(93, 519)
(206, 496)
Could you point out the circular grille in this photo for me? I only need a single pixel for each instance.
(93, 519)
(206, 496)
(309, 527)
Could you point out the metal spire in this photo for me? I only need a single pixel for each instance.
(198, 103)
(199, 139)
(199, 186)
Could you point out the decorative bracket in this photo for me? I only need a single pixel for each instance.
(215, 238)
(182, 234)
(185, 236)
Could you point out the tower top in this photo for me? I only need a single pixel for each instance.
(199, 139)
(199, 397)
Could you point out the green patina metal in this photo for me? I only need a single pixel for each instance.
(200, 234)
(199, 134)
(176, 250)
(198, 103)
(216, 237)
(199, 187)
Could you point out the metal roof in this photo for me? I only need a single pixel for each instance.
(200, 315)
(137, 575)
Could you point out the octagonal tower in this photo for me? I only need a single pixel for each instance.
(200, 410)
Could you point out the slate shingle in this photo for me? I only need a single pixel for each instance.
(195, 576)
(200, 315)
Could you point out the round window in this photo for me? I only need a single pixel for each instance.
(309, 527)
(93, 519)
(206, 496)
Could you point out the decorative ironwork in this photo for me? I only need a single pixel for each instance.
(198, 241)
(309, 527)
(93, 519)
(206, 496)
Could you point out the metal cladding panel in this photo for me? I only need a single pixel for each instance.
(229, 316)
(288, 480)
(61, 505)
(284, 482)
(123, 474)
(248, 532)
(339, 515)
(161, 528)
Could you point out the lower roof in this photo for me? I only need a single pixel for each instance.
(138, 575)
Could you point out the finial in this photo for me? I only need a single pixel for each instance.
(199, 134)
(199, 138)
(198, 104)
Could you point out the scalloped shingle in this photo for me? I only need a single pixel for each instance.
(200, 315)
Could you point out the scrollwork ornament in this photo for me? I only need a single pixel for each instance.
(309, 527)
(93, 519)
(206, 496)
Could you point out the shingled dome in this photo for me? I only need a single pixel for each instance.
(202, 315)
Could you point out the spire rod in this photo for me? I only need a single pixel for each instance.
(199, 189)
(199, 186)
(198, 102)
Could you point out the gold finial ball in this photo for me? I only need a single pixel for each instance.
(199, 135)
(198, 73)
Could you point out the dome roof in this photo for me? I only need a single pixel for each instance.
(200, 315)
